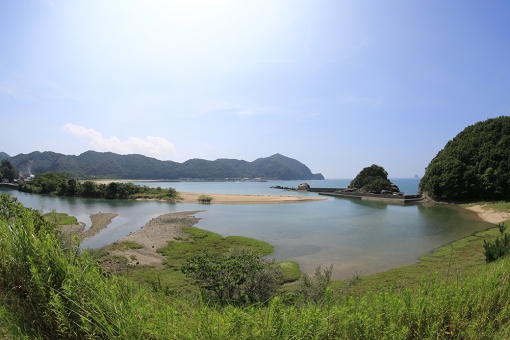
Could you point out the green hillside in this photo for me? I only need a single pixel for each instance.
(475, 165)
(110, 165)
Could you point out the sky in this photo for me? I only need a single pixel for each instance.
(338, 85)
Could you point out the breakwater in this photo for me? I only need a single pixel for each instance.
(394, 198)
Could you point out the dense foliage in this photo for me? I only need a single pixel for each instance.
(237, 276)
(62, 185)
(48, 291)
(373, 179)
(92, 164)
(475, 165)
(498, 248)
(8, 171)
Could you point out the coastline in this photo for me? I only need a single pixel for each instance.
(489, 215)
(99, 222)
(156, 234)
(192, 197)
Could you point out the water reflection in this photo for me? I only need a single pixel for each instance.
(353, 235)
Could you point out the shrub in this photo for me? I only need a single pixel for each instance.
(204, 199)
(498, 248)
(237, 276)
(313, 289)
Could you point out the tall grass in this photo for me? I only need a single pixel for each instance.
(51, 292)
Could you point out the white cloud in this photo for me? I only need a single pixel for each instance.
(151, 145)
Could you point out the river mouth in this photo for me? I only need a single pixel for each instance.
(357, 237)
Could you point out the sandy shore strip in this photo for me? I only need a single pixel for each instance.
(192, 197)
(156, 234)
(99, 222)
(489, 215)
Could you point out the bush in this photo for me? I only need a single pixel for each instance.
(204, 199)
(498, 248)
(313, 289)
(239, 276)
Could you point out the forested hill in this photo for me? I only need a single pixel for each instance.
(111, 165)
(3, 155)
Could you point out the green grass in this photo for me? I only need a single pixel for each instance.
(50, 292)
(177, 253)
(449, 262)
(122, 246)
(60, 218)
(291, 271)
(501, 206)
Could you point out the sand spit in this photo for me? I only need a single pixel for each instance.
(191, 197)
(99, 222)
(489, 215)
(156, 234)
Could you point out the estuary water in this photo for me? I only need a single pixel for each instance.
(357, 237)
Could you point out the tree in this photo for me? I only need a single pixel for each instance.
(372, 178)
(8, 171)
(473, 166)
(237, 276)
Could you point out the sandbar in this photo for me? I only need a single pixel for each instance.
(489, 215)
(156, 234)
(192, 197)
(99, 222)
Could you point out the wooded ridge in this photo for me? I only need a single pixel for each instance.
(92, 164)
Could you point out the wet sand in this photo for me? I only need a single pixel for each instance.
(99, 222)
(489, 215)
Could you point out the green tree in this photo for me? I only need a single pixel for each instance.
(473, 166)
(8, 171)
(237, 276)
(372, 178)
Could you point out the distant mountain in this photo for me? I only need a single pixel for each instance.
(111, 165)
(416, 177)
(3, 155)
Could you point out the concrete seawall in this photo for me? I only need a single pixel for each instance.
(400, 199)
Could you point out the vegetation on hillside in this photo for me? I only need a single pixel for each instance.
(472, 166)
(373, 179)
(62, 184)
(50, 291)
(8, 171)
(93, 164)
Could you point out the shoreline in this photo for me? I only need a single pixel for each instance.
(165, 228)
(489, 215)
(192, 197)
(99, 222)
(156, 234)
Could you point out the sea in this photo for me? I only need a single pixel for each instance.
(356, 237)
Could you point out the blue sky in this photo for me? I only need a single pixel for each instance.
(338, 85)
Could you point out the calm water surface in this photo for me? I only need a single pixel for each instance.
(355, 236)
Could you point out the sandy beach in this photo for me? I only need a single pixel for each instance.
(156, 234)
(489, 215)
(99, 222)
(191, 197)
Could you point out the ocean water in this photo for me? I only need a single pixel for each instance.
(407, 185)
(357, 237)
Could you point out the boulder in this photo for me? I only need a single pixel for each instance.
(304, 186)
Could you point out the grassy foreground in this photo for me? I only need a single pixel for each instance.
(48, 291)
(177, 253)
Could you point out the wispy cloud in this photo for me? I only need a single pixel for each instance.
(151, 145)
(12, 91)
(238, 109)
